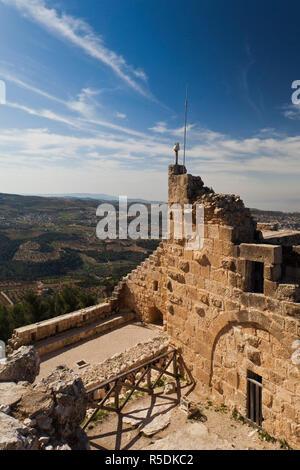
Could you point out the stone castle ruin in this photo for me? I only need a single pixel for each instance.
(231, 308)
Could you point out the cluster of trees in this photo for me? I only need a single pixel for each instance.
(34, 309)
(20, 270)
(7, 248)
(47, 238)
(148, 244)
(106, 256)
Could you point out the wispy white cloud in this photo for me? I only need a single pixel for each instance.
(42, 143)
(101, 143)
(161, 128)
(83, 104)
(217, 154)
(121, 115)
(250, 167)
(292, 111)
(267, 149)
(79, 33)
(44, 113)
(9, 77)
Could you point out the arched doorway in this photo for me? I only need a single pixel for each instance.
(250, 370)
(155, 316)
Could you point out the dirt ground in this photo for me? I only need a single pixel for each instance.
(218, 429)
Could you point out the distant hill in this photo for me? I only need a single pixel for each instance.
(53, 240)
(97, 197)
(284, 220)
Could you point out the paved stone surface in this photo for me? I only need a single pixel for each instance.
(98, 349)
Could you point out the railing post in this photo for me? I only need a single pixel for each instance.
(117, 391)
(175, 371)
(149, 380)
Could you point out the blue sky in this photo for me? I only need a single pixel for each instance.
(95, 95)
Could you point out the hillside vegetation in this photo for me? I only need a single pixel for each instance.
(51, 261)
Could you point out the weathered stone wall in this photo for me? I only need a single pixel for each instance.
(83, 333)
(226, 316)
(212, 314)
(94, 375)
(31, 334)
(267, 226)
(286, 237)
(241, 348)
(291, 263)
(144, 291)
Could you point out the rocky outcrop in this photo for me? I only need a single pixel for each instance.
(10, 394)
(54, 409)
(22, 365)
(14, 435)
(46, 415)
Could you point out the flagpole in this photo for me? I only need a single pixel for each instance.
(186, 95)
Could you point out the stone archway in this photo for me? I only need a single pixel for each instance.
(249, 318)
(244, 348)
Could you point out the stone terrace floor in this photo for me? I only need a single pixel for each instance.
(97, 349)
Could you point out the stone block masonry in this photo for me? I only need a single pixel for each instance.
(231, 308)
(55, 327)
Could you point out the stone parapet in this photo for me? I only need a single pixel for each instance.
(30, 334)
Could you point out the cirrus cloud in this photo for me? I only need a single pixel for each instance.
(79, 33)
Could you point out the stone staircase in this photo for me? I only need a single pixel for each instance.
(134, 274)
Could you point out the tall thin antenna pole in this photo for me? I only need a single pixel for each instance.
(186, 96)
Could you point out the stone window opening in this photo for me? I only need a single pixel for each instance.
(256, 277)
(254, 398)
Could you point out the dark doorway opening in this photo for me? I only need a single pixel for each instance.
(155, 316)
(254, 398)
(257, 277)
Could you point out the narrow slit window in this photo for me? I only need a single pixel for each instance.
(254, 398)
(255, 277)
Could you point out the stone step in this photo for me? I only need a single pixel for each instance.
(82, 333)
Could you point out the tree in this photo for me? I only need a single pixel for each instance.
(4, 323)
